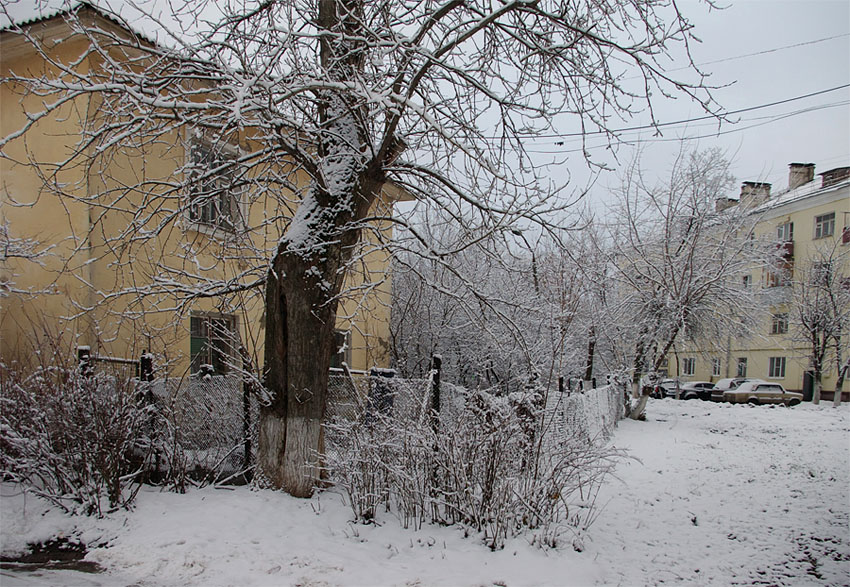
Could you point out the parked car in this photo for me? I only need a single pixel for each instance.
(663, 387)
(762, 392)
(728, 384)
(693, 390)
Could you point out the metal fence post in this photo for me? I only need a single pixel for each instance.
(84, 360)
(436, 366)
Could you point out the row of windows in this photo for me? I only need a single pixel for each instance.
(824, 227)
(775, 368)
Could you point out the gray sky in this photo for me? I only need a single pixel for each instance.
(761, 51)
(794, 61)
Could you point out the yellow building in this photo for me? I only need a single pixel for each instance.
(116, 259)
(810, 224)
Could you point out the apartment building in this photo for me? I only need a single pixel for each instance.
(116, 259)
(809, 222)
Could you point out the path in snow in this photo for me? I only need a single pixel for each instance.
(730, 495)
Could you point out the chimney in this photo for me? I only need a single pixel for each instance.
(754, 193)
(721, 204)
(799, 174)
(833, 176)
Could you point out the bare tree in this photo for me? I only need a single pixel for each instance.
(331, 101)
(678, 262)
(821, 310)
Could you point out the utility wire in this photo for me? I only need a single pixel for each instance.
(764, 52)
(756, 123)
(687, 120)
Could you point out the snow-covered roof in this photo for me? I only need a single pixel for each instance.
(807, 190)
(145, 18)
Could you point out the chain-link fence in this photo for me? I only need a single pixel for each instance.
(210, 421)
(589, 416)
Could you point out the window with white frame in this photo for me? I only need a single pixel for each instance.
(715, 367)
(825, 225)
(779, 323)
(779, 276)
(213, 200)
(821, 273)
(747, 281)
(742, 367)
(785, 232)
(776, 367)
(689, 366)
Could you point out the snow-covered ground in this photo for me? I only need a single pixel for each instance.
(716, 495)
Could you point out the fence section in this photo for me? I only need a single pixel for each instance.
(211, 421)
(590, 416)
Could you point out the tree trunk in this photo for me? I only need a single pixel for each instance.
(591, 348)
(300, 319)
(817, 388)
(842, 371)
(301, 302)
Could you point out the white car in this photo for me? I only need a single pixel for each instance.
(762, 392)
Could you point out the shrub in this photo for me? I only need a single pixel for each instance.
(496, 467)
(80, 441)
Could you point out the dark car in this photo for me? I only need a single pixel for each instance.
(693, 390)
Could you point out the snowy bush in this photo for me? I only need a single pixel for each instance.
(496, 467)
(77, 440)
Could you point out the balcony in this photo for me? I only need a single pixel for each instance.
(786, 249)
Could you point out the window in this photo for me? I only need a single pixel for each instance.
(342, 349)
(212, 343)
(785, 232)
(779, 276)
(779, 324)
(747, 281)
(213, 201)
(689, 366)
(776, 368)
(825, 225)
(742, 366)
(715, 367)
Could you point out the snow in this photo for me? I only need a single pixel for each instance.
(716, 494)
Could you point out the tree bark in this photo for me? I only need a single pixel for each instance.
(842, 372)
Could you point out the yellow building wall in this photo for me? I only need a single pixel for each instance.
(762, 345)
(74, 290)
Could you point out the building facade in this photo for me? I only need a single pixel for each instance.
(809, 222)
(115, 256)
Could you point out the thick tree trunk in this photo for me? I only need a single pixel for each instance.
(301, 303)
(300, 318)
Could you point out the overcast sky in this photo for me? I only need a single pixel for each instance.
(805, 48)
(761, 52)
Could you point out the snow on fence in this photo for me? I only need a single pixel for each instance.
(212, 421)
(591, 415)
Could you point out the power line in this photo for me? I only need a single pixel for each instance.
(685, 120)
(766, 51)
(756, 123)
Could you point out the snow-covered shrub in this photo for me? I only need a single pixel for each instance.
(496, 467)
(80, 441)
